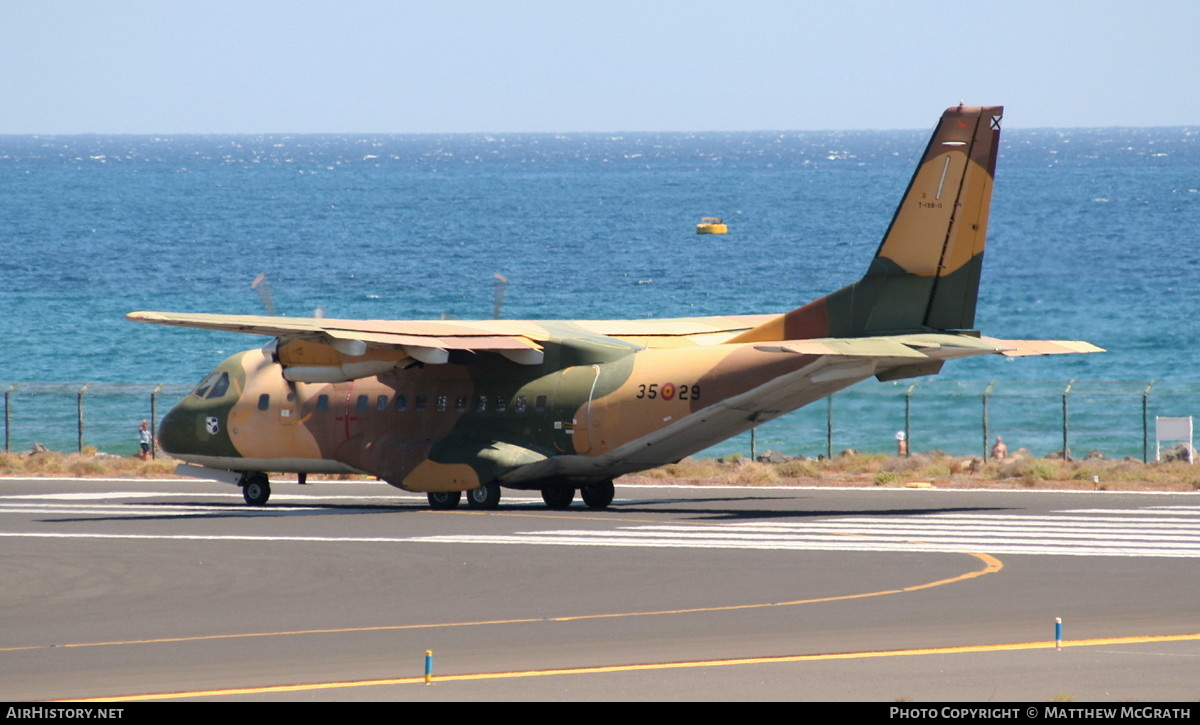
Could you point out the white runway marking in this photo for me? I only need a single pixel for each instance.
(1158, 531)
(1127, 533)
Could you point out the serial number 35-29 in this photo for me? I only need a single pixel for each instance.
(668, 391)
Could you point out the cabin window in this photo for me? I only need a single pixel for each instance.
(501, 404)
(460, 404)
(539, 404)
(401, 403)
(442, 401)
(219, 387)
(264, 401)
(362, 403)
(422, 403)
(481, 404)
(322, 402)
(519, 404)
(381, 403)
(205, 384)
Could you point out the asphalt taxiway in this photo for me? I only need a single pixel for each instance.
(178, 590)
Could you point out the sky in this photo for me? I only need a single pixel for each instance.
(504, 66)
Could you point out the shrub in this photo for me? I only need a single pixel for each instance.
(798, 469)
(883, 478)
(754, 474)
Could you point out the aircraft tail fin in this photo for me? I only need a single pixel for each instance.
(925, 275)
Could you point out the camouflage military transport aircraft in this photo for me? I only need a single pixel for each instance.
(560, 406)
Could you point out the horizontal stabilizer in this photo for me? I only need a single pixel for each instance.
(1023, 348)
(943, 346)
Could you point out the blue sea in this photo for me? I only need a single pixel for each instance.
(1094, 235)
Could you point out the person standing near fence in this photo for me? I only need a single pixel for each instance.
(999, 451)
(144, 439)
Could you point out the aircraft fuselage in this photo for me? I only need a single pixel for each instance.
(589, 412)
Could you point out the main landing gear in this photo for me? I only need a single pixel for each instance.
(558, 497)
(485, 498)
(256, 487)
(444, 500)
(598, 495)
(557, 493)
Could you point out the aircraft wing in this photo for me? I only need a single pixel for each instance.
(675, 332)
(362, 348)
(520, 337)
(429, 341)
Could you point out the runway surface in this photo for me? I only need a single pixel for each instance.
(336, 591)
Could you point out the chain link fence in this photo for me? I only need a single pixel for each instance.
(963, 418)
(958, 417)
(74, 416)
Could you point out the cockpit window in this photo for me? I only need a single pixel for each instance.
(220, 387)
(205, 384)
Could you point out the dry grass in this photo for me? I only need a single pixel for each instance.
(852, 469)
(941, 471)
(88, 464)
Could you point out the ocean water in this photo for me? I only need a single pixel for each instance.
(1093, 235)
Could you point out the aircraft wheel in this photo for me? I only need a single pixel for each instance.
(444, 500)
(487, 497)
(256, 488)
(598, 495)
(558, 497)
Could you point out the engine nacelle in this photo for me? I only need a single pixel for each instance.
(314, 362)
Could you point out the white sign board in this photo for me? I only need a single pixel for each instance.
(1173, 429)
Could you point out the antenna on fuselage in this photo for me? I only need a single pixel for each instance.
(501, 285)
(263, 287)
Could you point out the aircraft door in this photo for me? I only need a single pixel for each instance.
(573, 414)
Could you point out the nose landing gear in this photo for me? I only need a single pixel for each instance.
(256, 487)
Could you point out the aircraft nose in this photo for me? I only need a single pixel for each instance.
(194, 428)
(177, 432)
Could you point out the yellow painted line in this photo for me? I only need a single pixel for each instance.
(782, 659)
(991, 565)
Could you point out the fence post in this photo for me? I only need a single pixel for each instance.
(987, 392)
(829, 427)
(908, 418)
(1146, 423)
(79, 408)
(154, 421)
(8, 419)
(1066, 449)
